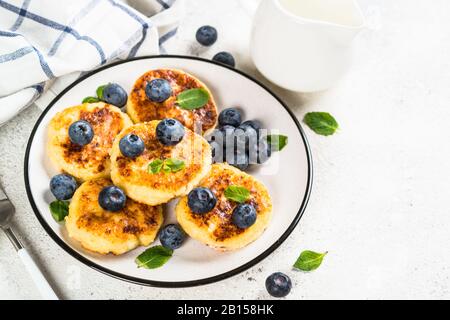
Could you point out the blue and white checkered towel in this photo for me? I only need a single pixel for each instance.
(46, 44)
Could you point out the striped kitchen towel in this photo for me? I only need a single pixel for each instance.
(45, 44)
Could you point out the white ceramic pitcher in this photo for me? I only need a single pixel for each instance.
(305, 45)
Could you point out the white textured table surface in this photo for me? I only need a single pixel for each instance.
(381, 188)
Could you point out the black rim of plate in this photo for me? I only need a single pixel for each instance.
(168, 284)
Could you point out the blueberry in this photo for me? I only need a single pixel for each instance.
(247, 137)
(244, 216)
(240, 139)
(217, 151)
(230, 116)
(216, 141)
(112, 198)
(228, 142)
(252, 152)
(227, 133)
(264, 151)
(201, 200)
(81, 133)
(63, 186)
(278, 285)
(240, 160)
(206, 35)
(169, 132)
(172, 236)
(115, 95)
(254, 124)
(158, 90)
(225, 58)
(215, 135)
(227, 130)
(131, 146)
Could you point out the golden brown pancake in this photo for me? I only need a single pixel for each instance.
(92, 160)
(142, 109)
(105, 232)
(133, 176)
(216, 228)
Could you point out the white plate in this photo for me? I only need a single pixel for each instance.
(288, 174)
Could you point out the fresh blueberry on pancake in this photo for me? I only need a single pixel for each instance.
(206, 35)
(169, 132)
(105, 231)
(244, 215)
(63, 186)
(81, 133)
(230, 116)
(201, 200)
(155, 96)
(112, 199)
(172, 236)
(114, 94)
(163, 171)
(225, 58)
(224, 227)
(158, 90)
(84, 150)
(131, 146)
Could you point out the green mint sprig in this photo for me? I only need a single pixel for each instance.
(154, 257)
(321, 123)
(59, 209)
(237, 194)
(277, 141)
(90, 100)
(98, 98)
(309, 260)
(167, 165)
(193, 99)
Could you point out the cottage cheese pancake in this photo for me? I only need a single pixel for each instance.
(216, 228)
(92, 160)
(105, 232)
(140, 108)
(139, 183)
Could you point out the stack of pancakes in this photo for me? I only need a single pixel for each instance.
(100, 163)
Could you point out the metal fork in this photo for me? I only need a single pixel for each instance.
(6, 212)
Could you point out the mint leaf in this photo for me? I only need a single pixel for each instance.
(174, 165)
(90, 100)
(277, 141)
(309, 260)
(193, 99)
(155, 166)
(167, 166)
(154, 257)
(236, 193)
(321, 123)
(100, 91)
(59, 209)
